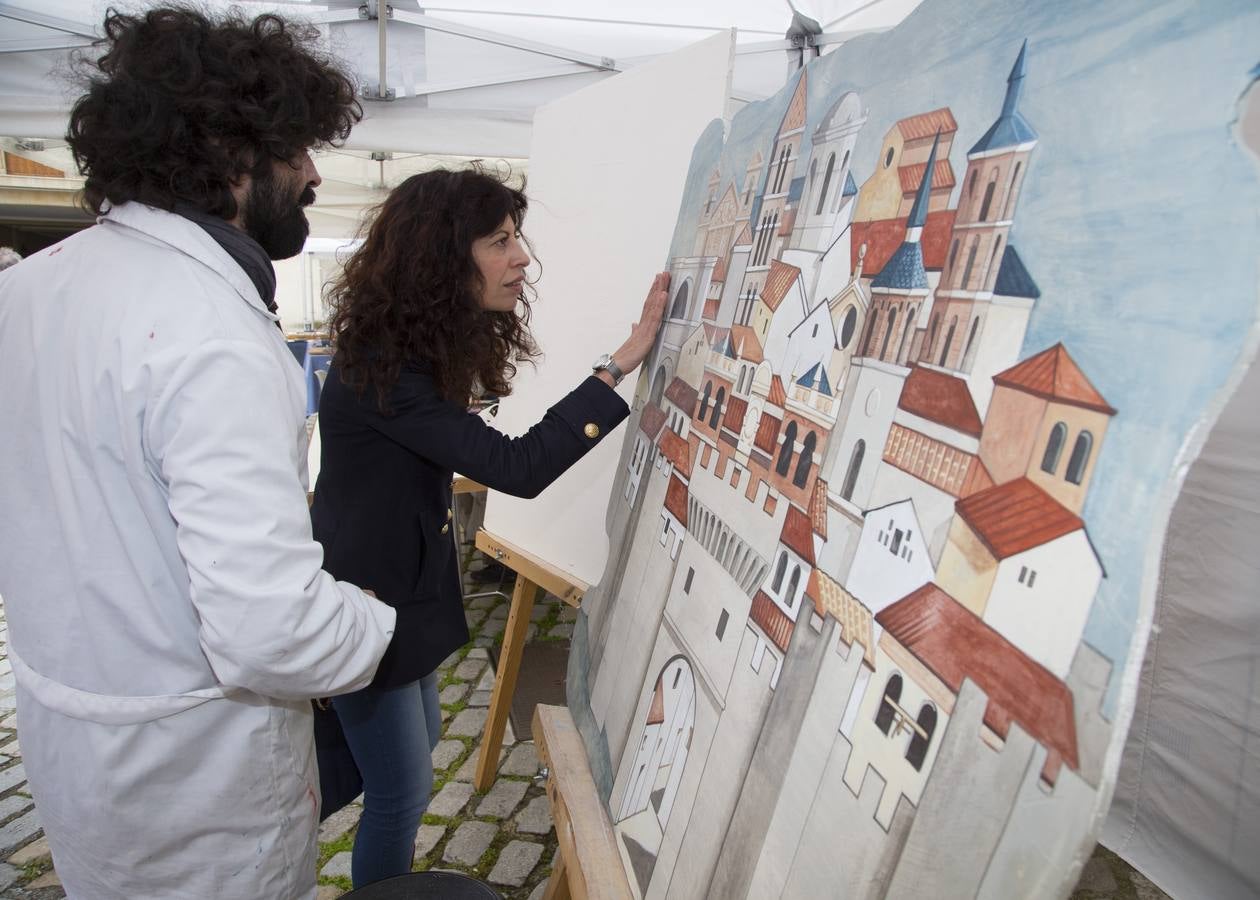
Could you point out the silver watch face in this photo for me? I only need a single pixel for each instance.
(602, 362)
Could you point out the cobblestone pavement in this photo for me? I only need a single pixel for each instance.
(504, 837)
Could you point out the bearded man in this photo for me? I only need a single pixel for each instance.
(169, 619)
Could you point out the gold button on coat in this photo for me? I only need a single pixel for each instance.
(591, 430)
(449, 514)
(446, 528)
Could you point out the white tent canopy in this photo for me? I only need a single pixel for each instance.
(462, 78)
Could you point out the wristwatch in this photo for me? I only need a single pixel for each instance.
(606, 364)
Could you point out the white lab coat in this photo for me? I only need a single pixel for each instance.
(167, 613)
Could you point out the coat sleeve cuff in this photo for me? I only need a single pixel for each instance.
(593, 409)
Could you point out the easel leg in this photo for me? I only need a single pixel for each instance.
(505, 681)
(558, 882)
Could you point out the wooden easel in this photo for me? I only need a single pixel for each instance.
(531, 574)
(589, 866)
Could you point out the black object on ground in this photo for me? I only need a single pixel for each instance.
(426, 886)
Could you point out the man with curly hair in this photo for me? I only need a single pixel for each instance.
(169, 618)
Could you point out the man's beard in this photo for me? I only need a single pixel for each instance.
(275, 219)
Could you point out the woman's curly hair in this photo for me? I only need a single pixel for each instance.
(410, 293)
(179, 106)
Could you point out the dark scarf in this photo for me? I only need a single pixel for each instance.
(247, 252)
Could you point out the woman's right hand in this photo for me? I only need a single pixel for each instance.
(643, 333)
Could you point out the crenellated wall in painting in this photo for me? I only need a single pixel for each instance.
(948, 315)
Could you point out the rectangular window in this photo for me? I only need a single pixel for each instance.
(1023, 573)
(687, 584)
(1031, 577)
(721, 626)
(896, 543)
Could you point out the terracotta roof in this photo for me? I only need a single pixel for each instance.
(955, 644)
(719, 271)
(926, 125)
(20, 165)
(788, 222)
(711, 308)
(940, 398)
(778, 396)
(777, 283)
(718, 337)
(798, 534)
(1016, 516)
(945, 467)
(745, 237)
(767, 433)
(677, 451)
(818, 508)
(883, 236)
(656, 712)
(854, 618)
(746, 343)
(767, 616)
(676, 499)
(652, 419)
(736, 407)
(1053, 375)
(912, 176)
(682, 395)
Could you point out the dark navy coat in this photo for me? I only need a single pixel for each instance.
(383, 505)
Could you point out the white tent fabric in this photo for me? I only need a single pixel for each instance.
(465, 79)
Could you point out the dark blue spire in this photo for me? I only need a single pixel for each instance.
(1011, 128)
(918, 212)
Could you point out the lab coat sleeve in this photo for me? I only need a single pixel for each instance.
(221, 437)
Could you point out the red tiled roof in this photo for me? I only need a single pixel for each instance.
(652, 419)
(955, 644)
(789, 221)
(778, 396)
(1053, 375)
(676, 499)
(773, 621)
(682, 395)
(746, 344)
(735, 409)
(940, 398)
(711, 305)
(1016, 516)
(745, 237)
(719, 271)
(926, 125)
(818, 508)
(978, 478)
(677, 451)
(767, 433)
(883, 236)
(778, 282)
(912, 176)
(798, 534)
(718, 337)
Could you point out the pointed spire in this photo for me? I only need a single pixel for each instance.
(918, 212)
(1015, 82)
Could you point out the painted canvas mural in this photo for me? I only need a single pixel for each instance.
(945, 313)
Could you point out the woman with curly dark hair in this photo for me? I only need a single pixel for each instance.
(432, 308)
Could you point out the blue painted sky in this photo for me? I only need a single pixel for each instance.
(1138, 217)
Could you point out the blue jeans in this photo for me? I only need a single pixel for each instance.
(391, 732)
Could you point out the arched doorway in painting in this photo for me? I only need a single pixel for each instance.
(664, 739)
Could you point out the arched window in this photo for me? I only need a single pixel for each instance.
(971, 185)
(971, 336)
(1079, 459)
(949, 339)
(721, 545)
(917, 751)
(931, 341)
(887, 712)
(869, 338)
(822, 195)
(855, 466)
(658, 385)
(790, 597)
(785, 452)
(717, 407)
(997, 248)
(813, 173)
(1010, 193)
(905, 336)
(888, 158)
(840, 180)
(704, 401)
(777, 583)
(953, 254)
(988, 198)
(892, 320)
(807, 459)
(1054, 448)
(679, 309)
(971, 261)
